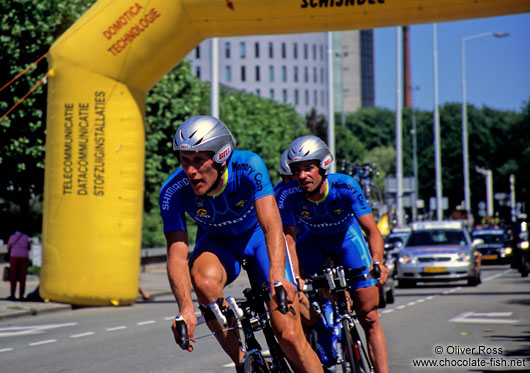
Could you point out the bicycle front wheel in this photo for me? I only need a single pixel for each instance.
(255, 363)
(349, 354)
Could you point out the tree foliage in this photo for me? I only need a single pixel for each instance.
(27, 30)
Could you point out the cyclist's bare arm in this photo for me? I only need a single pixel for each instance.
(375, 242)
(269, 219)
(179, 276)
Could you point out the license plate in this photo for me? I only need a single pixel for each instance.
(490, 257)
(434, 269)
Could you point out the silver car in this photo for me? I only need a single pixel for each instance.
(438, 251)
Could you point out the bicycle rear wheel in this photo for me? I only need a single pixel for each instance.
(255, 363)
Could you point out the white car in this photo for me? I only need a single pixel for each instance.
(438, 251)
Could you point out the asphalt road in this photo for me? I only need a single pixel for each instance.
(469, 328)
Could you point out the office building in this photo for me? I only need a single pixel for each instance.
(293, 68)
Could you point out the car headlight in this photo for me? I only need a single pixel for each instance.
(406, 259)
(507, 250)
(523, 245)
(463, 257)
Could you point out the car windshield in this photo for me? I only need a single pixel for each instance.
(436, 237)
(491, 238)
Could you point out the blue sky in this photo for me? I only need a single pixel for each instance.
(497, 69)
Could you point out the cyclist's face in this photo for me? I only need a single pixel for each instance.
(307, 174)
(200, 170)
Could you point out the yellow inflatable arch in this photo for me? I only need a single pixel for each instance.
(102, 68)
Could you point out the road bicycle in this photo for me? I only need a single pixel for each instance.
(349, 349)
(250, 315)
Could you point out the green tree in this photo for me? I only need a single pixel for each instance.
(27, 30)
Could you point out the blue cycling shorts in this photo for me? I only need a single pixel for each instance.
(249, 245)
(348, 249)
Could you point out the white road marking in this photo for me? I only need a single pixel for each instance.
(42, 342)
(145, 322)
(116, 328)
(6, 349)
(32, 329)
(484, 318)
(497, 275)
(86, 334)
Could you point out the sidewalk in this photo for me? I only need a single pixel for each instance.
(153, 279)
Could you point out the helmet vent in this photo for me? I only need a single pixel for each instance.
(199, 141)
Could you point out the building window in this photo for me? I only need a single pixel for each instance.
(306, 74)
(271, 94)
(315, 98)
(295, 75)
(295, 51)
(242, 50)
(296, 96)
(322, 75)
(256, 49)
(271, 50)
(257, 74)
(315, 75)
(305, 51)
(321, 52)
(284, 51)
(227, 49)
(198, 72)
(284, 73)
(228, 73)
(243, 74)
(306, 98)
(314, 51)
(322, 99)
(271, 73)
(198, 52)
(258, 92)
(284, 96)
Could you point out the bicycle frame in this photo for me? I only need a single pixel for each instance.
(352, 350)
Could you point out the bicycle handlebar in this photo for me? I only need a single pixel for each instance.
(323, 281)
(281, 295)
(182, 332)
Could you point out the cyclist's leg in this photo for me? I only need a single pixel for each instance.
(365, 295)
(366, 300)
(212, 266)
(288, 327)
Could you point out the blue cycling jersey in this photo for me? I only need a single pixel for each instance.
(228, 213)
(342, 204)
(330, 226)
(227, 223)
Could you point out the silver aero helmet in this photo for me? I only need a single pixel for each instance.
(284, 166)
(308, 148)
(205, 133)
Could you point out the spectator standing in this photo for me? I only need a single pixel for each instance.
(18, 247)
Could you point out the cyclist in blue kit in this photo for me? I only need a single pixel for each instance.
(334, 213)
(229, 194)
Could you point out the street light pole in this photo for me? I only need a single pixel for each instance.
(465, 151)
(414, 155)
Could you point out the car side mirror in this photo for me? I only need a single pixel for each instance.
(389, 246)
(477, 241)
